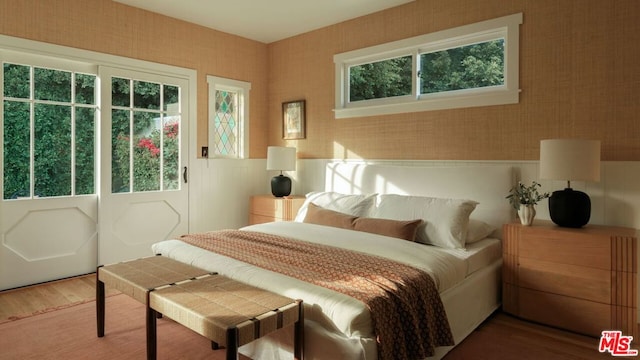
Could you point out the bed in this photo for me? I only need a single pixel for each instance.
(457, 244)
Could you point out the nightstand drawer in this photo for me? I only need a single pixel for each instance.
(267, 208)
(564, 279)
(566, 247)
(584, 280)
(261, 219)
(582, 316)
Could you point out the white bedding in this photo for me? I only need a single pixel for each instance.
(478, 254)
(342, 315)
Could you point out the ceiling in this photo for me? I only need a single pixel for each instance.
(264, 20)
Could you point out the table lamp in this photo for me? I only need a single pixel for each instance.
(570, 159)
(281, 158)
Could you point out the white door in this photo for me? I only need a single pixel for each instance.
(49, 206)
(144, 188)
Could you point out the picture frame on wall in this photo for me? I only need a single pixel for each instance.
(293, 120)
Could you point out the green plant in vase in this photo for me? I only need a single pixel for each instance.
(524, 198)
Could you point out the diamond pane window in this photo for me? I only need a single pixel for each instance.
(228, 117)
(225, 123)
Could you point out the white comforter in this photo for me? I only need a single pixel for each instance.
(331, 309)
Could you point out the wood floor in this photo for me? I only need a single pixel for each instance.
(500, 337)
(56, 294)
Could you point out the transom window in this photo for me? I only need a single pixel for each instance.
(228, 117)
(466, 67)
(473, 65)
(380, 79)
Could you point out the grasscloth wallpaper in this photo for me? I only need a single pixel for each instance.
(579, 74)
(110, 27)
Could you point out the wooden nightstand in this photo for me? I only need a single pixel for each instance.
(583, 280)
(267, 208)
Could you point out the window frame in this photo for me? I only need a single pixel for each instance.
(58, 64)
(243, 89)
(507, 28)
(68, 58)
(161, 113)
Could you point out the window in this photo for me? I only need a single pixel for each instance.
(145, 121)
(228, 117)
(380, 79)
(472, 65)
(466, 67)
(49, 131)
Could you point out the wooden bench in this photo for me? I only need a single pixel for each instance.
(137, 278)
(221, 309)
(227, 312)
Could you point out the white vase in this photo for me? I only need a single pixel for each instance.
(526, 214)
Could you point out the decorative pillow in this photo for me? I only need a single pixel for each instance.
(356, 205)
(446, 221)
(478, 230)
(394, 228)
(320, 216)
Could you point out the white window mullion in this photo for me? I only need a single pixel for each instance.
(73, 134)
(32, 131)
(131, 135)
(162, 119)
(415, 82)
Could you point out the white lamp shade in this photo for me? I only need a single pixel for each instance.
(570, 159)
(281, 158)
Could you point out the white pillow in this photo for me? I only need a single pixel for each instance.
(446, 221)
(478, 230)
(356, 205)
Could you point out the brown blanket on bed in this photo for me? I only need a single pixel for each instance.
(408, 316)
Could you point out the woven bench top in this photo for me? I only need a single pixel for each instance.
(137, 277)
(212, 305)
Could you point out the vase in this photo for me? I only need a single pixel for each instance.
(526, 213)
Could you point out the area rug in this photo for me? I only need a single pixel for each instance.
(70, 333)
(43, 311)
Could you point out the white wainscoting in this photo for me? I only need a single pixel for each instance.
(219, 192)
(615, 199)
(220, 189)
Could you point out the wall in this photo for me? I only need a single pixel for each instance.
(579, 77)
(110, 27)
(579, 74)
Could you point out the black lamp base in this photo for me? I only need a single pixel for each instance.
(280, 186)
(570, 208)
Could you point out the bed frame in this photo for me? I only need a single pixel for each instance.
(467, 304)
(486, 184)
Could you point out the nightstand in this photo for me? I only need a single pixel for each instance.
(583, 280)
(267, 208)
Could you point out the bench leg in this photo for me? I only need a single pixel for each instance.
(151, 333)
(100, 305)
(298, 334)
(232, 344)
